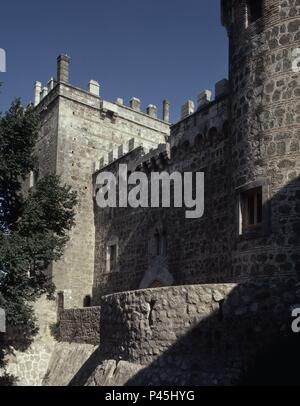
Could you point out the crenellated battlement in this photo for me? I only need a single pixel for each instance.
(204, 99)
(112, 110)
(198, 128)
(147, 157)
(108, 109)
(195, 128)
(155, 158)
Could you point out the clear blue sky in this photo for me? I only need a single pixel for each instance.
(151, 49)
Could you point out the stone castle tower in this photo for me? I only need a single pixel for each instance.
(265, 133)
(78, 126)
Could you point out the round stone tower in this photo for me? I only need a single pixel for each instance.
(264, 51)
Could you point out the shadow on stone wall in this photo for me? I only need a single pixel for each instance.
(24, 354)
(5, 379)
(249, 341)
(87, 368)
(246, 340)
(10, 342)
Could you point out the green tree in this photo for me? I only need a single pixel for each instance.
(33, 226)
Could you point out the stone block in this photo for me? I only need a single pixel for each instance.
(50, 84)
(152, 111)
(44, 92)
(122, 150)
(94, 87)
(221, 88)
(135, 104)
(37, 92)
(112, 155)
(103, 162)
(187, 109)
(131, 144)
(204, 98)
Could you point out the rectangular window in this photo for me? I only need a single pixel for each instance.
(160, 244)
(251, 209)
(254, 11)
(60, 300)
(113, 257)
(33, 178)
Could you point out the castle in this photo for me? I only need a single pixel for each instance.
(247, 142)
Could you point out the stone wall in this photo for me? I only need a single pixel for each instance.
(182, 335)
(244, 140)
(66, 361)
(77, 129)
(265, 116)
(59, 350)
(202, 335)
(28, 365)
(141, 325)
(198, 250)
(80, 325)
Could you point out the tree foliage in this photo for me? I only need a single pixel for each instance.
(33, 226)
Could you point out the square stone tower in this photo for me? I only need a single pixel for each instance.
(77, 128)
